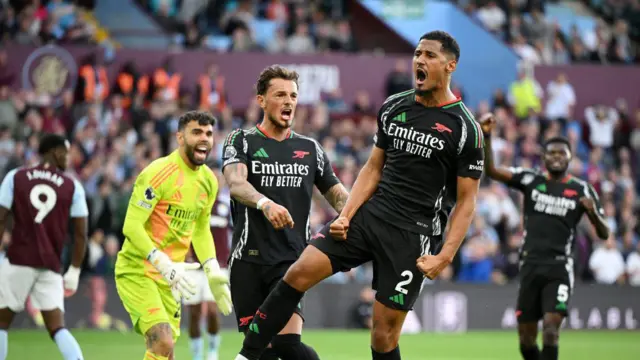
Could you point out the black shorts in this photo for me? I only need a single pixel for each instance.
(250, 285)
(393, 250)
(544, 288)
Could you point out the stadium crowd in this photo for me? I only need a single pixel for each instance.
(539, 40)
(112, 140)
(116, 133)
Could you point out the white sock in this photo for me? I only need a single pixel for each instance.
(4, 344)
(214, 342)
(240, 357)
(197, 348)
(68, 345)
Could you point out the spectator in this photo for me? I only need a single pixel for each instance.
(602, 121)
(300, 42)
(560, 100)
(633, 267)
(492, 17)
(607, 263)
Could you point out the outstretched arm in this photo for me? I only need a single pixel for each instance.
(366, 183)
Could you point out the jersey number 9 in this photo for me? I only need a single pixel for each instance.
(43, 207)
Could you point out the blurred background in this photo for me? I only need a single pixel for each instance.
(114, 76)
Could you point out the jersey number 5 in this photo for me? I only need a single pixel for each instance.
(563, 293)
(43, 207)
(399, 287)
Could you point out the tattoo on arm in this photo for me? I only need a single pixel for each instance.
(241, 189)
(157, 333)
(337, 197)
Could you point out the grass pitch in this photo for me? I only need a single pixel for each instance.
(344, 345)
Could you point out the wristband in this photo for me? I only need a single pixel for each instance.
(261, 202)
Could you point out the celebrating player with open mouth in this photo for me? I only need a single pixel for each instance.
(169, 210)
(393, 214)
(42, 198)
(271, 172)
(554, 203)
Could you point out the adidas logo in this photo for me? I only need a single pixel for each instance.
(254, 327)
(400, 118)
(261, 153)
(398, 299)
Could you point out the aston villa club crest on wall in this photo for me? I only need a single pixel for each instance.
(50, 70)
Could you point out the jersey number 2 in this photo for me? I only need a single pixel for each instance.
(43, 207)
(399, 287)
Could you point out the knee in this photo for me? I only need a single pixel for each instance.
(163, 346)
(550, 333)
(160, 340)
(527, 338)
(299, 276)
(383, 338)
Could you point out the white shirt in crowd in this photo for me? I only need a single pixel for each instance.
(561, 98)
(633, 268)
(607, 265)
(492, 17)
(601, 131)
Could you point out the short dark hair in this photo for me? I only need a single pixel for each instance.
(274, 72)
(557, 140)
(202, 117)
(49, 142)
(449, 44)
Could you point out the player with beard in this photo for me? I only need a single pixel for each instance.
(393, 214)
(42, 198)
(271, 172)
(554, 203)
(169, 211)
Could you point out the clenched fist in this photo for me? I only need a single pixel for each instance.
(487, 123)
(338, 229)
(277, 215)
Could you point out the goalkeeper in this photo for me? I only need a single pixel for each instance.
(169, 209)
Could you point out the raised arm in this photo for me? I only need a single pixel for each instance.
(487, 123)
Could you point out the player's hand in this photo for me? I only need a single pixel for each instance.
(219, 285)
(71, 279)
(588, 204)
(175, 274)
(487, 123)
(432, 265)
(277, 215)
(338, 229)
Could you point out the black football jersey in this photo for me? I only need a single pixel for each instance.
(427, 149)
(285, 172)
(552, 210)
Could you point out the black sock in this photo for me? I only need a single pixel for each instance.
(289, 347)
(529, 353)
(391, 355)
(269, 354)
(549, 352)
(272, 316)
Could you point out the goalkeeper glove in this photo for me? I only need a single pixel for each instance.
(71, 279)
(219, 285)
(175, 274)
